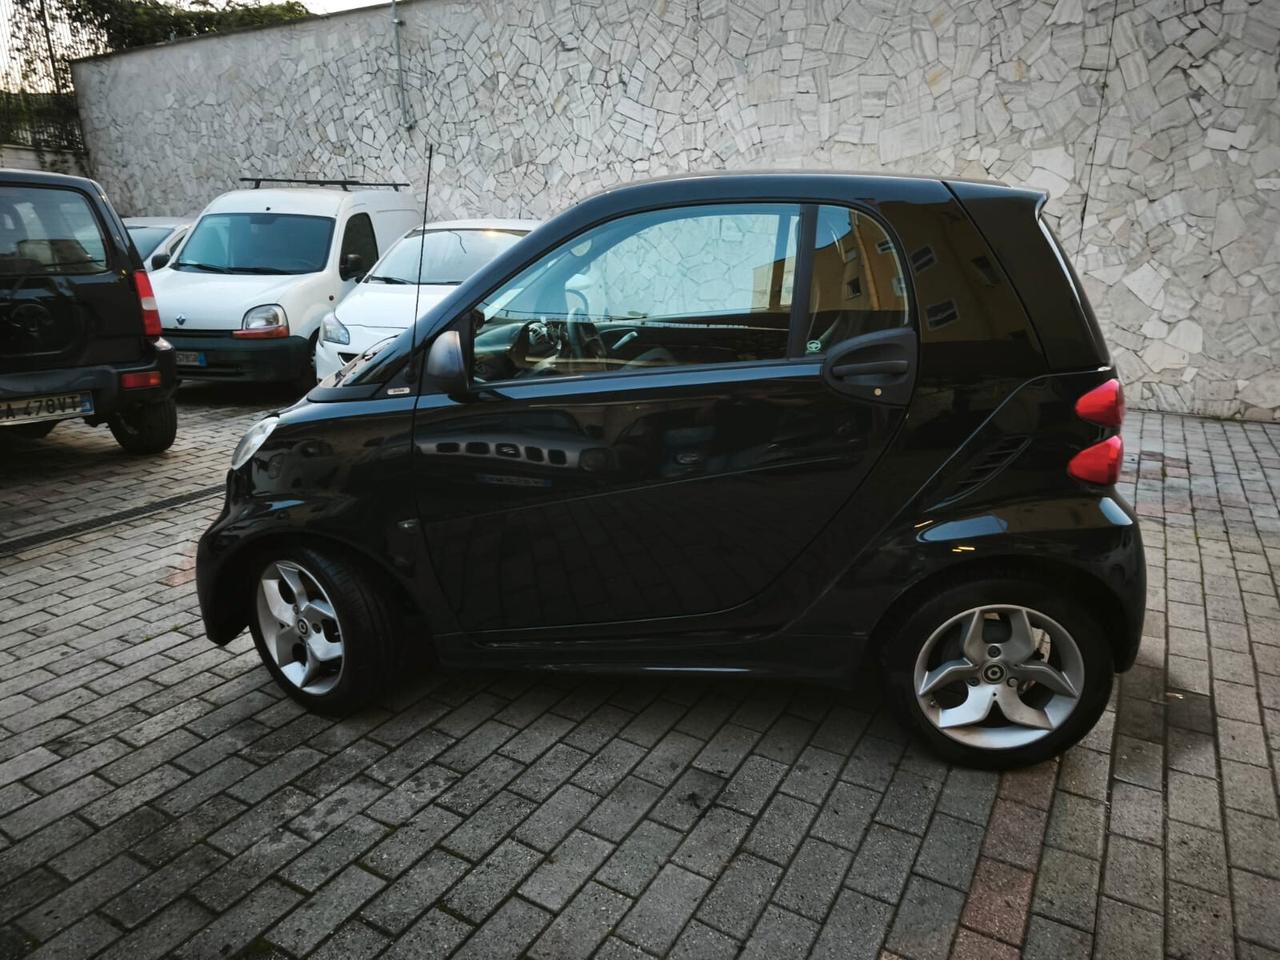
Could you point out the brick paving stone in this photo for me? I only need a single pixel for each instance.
(662, 910)
(1125, 931)
(813, 878)
(999, 900)
(580, 927)
(883, 863)
(414, 890)
(780, 935)
(1050, 940)
(926, 920)
(735, 902)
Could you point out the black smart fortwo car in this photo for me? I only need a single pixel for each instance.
(785, 424)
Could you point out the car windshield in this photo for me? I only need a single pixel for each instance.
(146, 239)
(257, 243)
(448, 256)
(46, 230)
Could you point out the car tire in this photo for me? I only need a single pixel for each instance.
(146, 428)
(1057, 690)
(346, 662)
(306, 379)
(30, 431)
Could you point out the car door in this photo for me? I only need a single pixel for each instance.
(665, 411)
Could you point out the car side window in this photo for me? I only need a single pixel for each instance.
(858, 282)
(358, 238)
(695, 285)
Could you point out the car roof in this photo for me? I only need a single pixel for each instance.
(491, 223)
(313, 201)
(45, 179)
(156, 221)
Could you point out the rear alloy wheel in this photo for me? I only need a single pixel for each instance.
(146, 427)
(1000, 684)
(322, 628)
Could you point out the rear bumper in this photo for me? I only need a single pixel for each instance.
(227, 358)
(103, 381)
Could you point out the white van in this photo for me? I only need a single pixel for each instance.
(416, 273)
(244, 295)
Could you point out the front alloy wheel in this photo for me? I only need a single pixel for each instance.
(323, 626)
(300, 627)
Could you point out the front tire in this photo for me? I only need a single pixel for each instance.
(146, 428)
(999, 673)
(323, 628)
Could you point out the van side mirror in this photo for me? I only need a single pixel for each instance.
(446, 363)
(159, 260)
(352, 267)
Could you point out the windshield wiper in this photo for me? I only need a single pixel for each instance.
(386, 280)
(263, 270)
(208, 267)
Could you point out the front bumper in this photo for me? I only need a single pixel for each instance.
(229, 358)
(103, 381)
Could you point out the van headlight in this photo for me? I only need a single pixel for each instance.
(252, 440)
(332, 330)
(263, 322)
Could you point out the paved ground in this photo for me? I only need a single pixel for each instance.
(159, 798)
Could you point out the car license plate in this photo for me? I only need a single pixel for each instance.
(63, 406)
(189, 358)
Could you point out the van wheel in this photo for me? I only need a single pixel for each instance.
(306, 380)
(323, 628)
(1000, 673)
(146, 427)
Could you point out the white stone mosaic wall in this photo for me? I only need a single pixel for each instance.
(534, 105)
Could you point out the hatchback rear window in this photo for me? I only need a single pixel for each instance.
(48, 230)
(283, 243)
(146, 239)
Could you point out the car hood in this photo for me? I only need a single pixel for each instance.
(388, 305)
(214, 301)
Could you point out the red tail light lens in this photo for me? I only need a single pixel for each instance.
(1103, 405)
(150, 312)
(137, 381)
(1100, 463)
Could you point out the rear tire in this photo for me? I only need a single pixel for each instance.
(146, 427)
(350, 658)
(1069, 650)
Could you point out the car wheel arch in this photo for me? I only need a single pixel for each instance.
(233, 590)
(1104, 604)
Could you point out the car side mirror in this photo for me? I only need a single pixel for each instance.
(446, 363)
(159, 260)
(352, 267)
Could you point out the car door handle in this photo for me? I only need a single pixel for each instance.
(847, 371)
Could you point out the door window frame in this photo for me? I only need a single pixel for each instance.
(798, 320)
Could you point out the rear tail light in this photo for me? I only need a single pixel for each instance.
(1103, 405)
(139, 381)
(147, 297)
(1100, 463)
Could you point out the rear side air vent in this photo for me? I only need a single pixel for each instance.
(988, 463)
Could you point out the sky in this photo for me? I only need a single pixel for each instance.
(332, 6)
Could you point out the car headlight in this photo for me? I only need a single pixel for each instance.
(266, 320)
(252, 440)
(331, 329)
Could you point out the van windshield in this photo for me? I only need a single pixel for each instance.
(257, 243)
(448, 256)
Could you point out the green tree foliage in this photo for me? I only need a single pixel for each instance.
(133, 23)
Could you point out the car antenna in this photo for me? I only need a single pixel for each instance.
(422, 246)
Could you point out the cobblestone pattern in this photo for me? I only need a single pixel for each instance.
(159, 798)
(531, 107)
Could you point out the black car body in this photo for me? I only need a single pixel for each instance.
(727, 493)
(79, 332)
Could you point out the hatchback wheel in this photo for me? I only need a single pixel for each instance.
(1000, 674)
(322, 627)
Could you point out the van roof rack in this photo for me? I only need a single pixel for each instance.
(344, 184)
